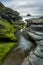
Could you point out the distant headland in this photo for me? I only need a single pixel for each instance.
(28, 15)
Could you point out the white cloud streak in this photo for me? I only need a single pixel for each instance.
(34, 7)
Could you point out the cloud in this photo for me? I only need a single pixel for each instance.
(35, 7)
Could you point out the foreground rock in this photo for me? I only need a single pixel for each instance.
(35, 26)
(36, 55)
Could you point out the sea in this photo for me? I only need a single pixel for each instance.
(29, 17)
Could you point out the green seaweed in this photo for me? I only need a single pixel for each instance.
(8, 30)
(5, 48)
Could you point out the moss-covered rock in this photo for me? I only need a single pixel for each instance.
(9, 14)
(7, 30)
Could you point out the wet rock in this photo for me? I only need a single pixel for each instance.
(17, 55)
(26, 61)
(34, 36)
(41, 43)
(36, 28)
(35, 20)
(35, 57)
(39, 49)
(36, 31)
(41, 17)
(34, 60)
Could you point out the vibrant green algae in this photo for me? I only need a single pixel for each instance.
(6, 31)
(5, 48)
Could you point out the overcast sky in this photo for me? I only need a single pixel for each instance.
(34, 7)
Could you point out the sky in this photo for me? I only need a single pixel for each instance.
(24, 7)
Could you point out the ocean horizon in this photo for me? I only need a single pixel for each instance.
(30, 17)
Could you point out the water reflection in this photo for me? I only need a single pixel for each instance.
(17, 56)
(24, 43)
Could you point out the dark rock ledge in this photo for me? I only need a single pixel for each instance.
(36, 56)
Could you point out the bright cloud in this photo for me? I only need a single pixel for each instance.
(34, 7)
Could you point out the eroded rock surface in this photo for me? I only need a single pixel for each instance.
(36, 56)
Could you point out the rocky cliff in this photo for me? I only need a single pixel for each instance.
(9, 14)
(7, 17)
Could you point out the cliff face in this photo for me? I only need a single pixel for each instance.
(9, 14)
(7, 30)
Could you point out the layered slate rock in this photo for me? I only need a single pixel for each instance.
(36, 31)
(36, 56)
(39, 50)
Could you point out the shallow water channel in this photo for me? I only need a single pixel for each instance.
(20, 52)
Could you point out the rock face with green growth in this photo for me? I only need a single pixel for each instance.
(7, 30)
(9, 14)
